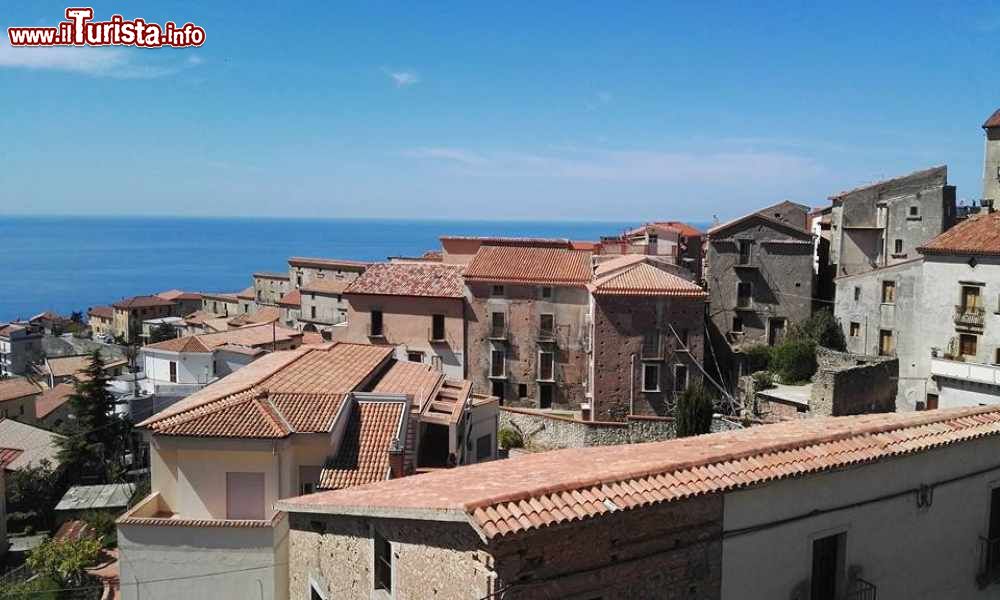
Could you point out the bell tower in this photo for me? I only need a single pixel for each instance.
(991, 160)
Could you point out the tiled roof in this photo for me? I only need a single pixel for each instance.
(525, 264)
(246, 294)
(263, 315)
(199, 317)
(326, 286)
(175, 295)
(641, 278)
(224, 296)
(241, 350)
(532, 491)
(191, 343)
(292, 298)
(52, 399)
(7, 456)
(74, 531)
(12, 389)
(276, 395)
(435, 280)
(37, 444)
(328, 263)
(674, 226)
(993, 121)
(940, 171)
(65, 366)
(417, 380)
(978, 235)
(363, 456)
(141, 302)
(271, 275)
(800, 232)
(102, 312)
(7, 330)
(512, 241)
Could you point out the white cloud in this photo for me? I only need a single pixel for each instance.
(402, 78)
(718, 168)
(116, 63)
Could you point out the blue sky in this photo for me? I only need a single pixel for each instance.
(551, 110)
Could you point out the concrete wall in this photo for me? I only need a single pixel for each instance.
(905, 318)
(524, 306)
(780, 271)
(406, 324)
(203, 563)
(906, 550)
(226, 362)
(268, 290)
(678, 555)
(323, 310)
(620, 323)
(192, 367)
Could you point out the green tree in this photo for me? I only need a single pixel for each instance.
(36, 488)
(823, 329)
(65, 560)
(693, 411)
(794, 360)
(161, 333)
(96, 439)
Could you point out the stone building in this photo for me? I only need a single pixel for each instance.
(678, 519)
(17, 399)
(290, 307)
(269, 287)
(20, 347)
(101, 320)
(303, 270)
(417, 307)
(185, 303)
(647, 321)
(527, 324)
(760, 275)
(882, 224)
(246, 302)
(129, 313)
(222, 304)
(323, 306)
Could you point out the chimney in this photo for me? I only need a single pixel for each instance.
(397, 464)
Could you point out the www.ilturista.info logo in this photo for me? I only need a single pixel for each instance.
(79, 29)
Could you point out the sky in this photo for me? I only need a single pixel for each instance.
(495, 110)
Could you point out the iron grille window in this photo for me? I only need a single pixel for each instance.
(546, 366)
(437, 327)
(497, 366)
(383, 563)
(377, 323)
(547, 325)
(744, 258)
(498, 321)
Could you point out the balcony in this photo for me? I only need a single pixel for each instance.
(977, 372)
(861, 590)
(969, 316)
(989, 561)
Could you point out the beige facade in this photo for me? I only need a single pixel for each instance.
(223, 305)
(128, 319)
(324, 309)
(303, 271)
(270, 287)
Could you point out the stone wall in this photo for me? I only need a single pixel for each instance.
(672, 550)
(620, 322)
(851, 384)
(545, 431)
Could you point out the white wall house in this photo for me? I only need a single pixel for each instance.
(176, 372)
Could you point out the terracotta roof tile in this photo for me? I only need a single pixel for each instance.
(102, 312)
(976, 236)
(264, 314)
(326, 285)
(436, 280)
(292, 299)
(328, 263)
(52, 399)
(191, 343)
(141, 302)
(246, 294)
(7, 456)
(363, 456)
(632, 476)
(414, 379)
(12, 389)
(175, 295)
(993, 121)
(526, 264)
(271, 275)
(224, 296)
(642, 278)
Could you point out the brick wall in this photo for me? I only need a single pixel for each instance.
(620, 322)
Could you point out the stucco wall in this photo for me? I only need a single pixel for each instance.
(192, 367)
(905, 550)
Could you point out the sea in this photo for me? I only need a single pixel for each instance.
(68, 264)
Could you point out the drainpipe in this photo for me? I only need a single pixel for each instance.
(631, 384)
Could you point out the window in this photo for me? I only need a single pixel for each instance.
(914, 211)
(497, 291)
(855, 329)
(497, 366)
(888, 292)
(775, 331)
(744, 294)
(737, 324)
(312, 312)
(376, 324)
(383, 562)
(932, 402)
(967, 344)
(496, 390)
(650, 377)
(484, 447)
(744, 258)
(898, 246)
(651, 344)
(992, 558)
(309, 478)
(680, 378)
(886, 344)
(996, 356)
(857, 293)
(416, 357)
(547, 326)
(971, 299)
(498, 325)
(522, 390)
(245, 496)
(298, 281)
(546, 366)
(437, 327)
(545, 395)
(546, 293)
(683, 335)
(173, 372)
(827, 567)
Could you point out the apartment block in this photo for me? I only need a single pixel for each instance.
(672, 241)
(20, 347)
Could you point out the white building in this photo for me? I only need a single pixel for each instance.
(20, 344)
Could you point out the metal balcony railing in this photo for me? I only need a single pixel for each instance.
(862, 590)
(969, 316)
(989, 561)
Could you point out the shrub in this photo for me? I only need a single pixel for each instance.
(794, 360)
(762, 380)
(693, 411)
(64, 560)
(758, 358)
(510, 438)
(823, 329)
